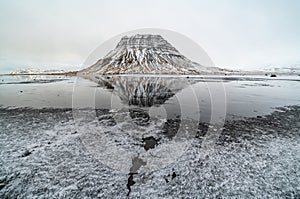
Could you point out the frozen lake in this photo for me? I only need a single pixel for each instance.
(149, 136)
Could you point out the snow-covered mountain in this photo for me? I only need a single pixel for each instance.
(291, 69)
(29, 71)
(146, 54)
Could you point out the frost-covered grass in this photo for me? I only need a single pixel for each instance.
(253, 157)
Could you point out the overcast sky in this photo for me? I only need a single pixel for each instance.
(234, 33)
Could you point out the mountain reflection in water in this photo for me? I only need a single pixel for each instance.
(157, 95)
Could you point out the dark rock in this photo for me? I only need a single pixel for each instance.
(109, 86)
(2, 185)
(173, 175)
(202, 130)
(150, 142)
(273, 75)
(2, 179)
(171, 127)
(74, 132)
(26, 153)
(130, 182)
(139, 116)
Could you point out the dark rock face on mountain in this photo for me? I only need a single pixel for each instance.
(144, 54)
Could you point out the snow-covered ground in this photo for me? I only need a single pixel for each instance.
(256, 157)
(49, 150)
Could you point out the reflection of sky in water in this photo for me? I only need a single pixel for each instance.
(243, 98)
(251, 98)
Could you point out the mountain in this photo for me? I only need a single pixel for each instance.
(35, 71)
(32, 71)
(290, 69)
(145, 54)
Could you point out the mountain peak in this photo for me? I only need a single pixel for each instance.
(145, 41)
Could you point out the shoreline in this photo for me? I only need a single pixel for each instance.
(204, 74)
